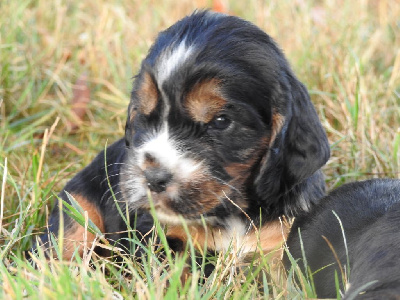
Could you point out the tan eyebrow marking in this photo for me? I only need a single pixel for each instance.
(147, 94)
(205, 101)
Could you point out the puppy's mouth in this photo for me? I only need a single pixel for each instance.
(191, 201)
(159, 202)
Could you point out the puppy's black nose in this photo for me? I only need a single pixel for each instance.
(157, 179)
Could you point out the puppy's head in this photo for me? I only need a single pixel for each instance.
(218, 124)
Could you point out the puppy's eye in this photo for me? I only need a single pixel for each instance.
(220, 123)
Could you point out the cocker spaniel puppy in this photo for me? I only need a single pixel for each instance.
(219, 130)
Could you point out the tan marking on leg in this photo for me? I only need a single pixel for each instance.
(205, 101)
(201, 236)
(75, 235)
(269, 238)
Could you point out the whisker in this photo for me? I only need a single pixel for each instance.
(226, 183)
(113, 164)
(108, 190)
(109, 176)
(113, 175)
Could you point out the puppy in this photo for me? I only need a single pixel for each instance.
(369, 212)
(219, 132)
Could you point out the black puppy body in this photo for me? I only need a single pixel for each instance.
(370, 214)
(219, 129)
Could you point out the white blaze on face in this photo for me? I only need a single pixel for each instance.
(170, 61)
(159, 144)
(167, 153)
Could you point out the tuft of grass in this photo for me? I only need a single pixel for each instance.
(346, 52)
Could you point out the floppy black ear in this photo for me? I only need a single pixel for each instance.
(290, 178)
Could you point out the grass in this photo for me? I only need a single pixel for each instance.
(346, 52)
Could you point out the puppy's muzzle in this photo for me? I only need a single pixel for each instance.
(157, 179)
